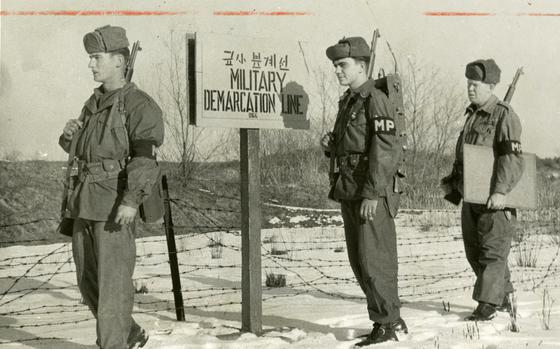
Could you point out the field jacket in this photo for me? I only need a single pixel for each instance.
(115, 151)
(366, 145)
(494, 125)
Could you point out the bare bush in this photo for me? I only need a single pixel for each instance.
(12, 155)
(140, 286)
(527, 251)
(434, 109)
(513, 325)
(471, 331)
(184, 142)
(275, 280)
(216, 246)
(546, 308)
(278, 247)
(446, 306)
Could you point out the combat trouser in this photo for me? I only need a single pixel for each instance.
(372, 251)
(487, 236)
(105, 256)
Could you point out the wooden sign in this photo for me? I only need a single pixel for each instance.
(478, 178)
(243, 82)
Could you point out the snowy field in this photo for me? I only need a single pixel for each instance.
(319, 307)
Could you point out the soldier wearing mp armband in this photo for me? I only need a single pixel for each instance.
(114, 142)
(366, 148)
(488, 229)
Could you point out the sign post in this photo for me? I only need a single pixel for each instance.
(251, 282)
(249, 84)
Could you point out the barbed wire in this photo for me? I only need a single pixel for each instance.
(278, 256)
(33, 290)
(3, 294)
(38, 220)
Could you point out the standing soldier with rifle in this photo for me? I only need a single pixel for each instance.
(365, 145)
(488, 229)
(113, 142)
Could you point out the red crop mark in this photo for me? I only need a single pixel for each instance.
(92, 13)
(540, 14)
(474, 14)
(459, 14)
(260, 13)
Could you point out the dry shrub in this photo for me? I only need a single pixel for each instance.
(275, 280)
(513, 325)
(216, 246)
(471, 331)
(140, 286)
(546, 308)
(279, 247)
(527, 252)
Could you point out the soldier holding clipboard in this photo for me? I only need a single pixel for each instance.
(488, 227)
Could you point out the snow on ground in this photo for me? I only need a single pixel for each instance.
(320, 307)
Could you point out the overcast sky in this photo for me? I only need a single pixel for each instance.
(44, 78)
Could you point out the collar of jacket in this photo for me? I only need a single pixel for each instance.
(364, 90)
(487, 108)
(107, 98)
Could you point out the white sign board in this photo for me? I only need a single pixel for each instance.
(243, 82)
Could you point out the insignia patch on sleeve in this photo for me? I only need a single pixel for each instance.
(509, 147)
(384, 126)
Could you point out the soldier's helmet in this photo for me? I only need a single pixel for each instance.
(355, 47)
(105, 39)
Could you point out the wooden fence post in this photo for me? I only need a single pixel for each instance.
(172, 251)
(251, 283)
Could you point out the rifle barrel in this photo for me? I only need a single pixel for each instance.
(131, 60)
(372, 53)
(512, 86)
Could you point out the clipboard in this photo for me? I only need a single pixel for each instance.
(478, 178)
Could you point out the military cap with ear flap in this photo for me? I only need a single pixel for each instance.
(484, 70)
(105, 39)
(355, 47)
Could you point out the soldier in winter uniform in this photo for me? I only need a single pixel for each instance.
(487, 229)
(114, 141)
(366, 149)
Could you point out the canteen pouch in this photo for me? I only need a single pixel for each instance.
(152, 209)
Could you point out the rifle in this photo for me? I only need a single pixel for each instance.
(372, 53)
(152, 209)
(130, 64)
(511, 88)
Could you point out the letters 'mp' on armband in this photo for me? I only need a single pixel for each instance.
(509, 147)
(384, 126)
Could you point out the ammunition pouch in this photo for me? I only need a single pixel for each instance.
(454, 181)
(152, 208)
(66, 226)
(333, 178)
(346, 184)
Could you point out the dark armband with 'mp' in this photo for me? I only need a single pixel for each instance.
(509, 147)
(143, 148)
(384, 126)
